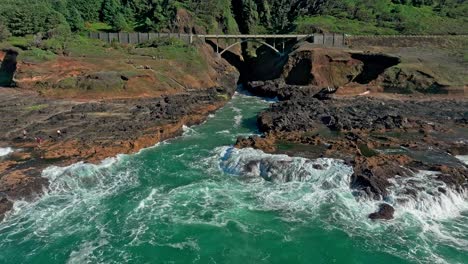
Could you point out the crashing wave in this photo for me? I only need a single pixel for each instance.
(463, 158)
(5, 151)
(421, 195)
(278, 168)
(188, 131)
(321, 189)
(74, 188)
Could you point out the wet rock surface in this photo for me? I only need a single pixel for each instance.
(381, 137)
(5, 206)
(385, 212)
(89, 131)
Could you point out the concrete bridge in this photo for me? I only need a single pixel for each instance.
(274, 42)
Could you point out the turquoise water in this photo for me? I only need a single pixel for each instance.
(194, 199)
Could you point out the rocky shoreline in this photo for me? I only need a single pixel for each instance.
(354, 119)
(380, 137)
(384, 136)
(90, 131)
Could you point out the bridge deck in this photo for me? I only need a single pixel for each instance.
(326, 39)
(251, 36)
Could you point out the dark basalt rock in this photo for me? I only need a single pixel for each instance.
(371, 174)
(5, 206)
(301, 112)
(359, 121)
(385, 212)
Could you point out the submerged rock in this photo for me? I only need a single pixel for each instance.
(5, 206)
(385, 212)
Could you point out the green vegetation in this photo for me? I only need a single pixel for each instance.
(36, 55)
(36, 107)
(175, 50)
(26, 17)
(340, 25)
(388, 17)
(97, 27)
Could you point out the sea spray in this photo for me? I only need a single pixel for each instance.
(321, 187)
(188, 131)
(5, 151)
(463, 158)
(72, 193)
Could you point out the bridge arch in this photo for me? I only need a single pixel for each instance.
(247, 40)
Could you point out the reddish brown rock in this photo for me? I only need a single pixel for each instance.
(266, 144)
(371, 174)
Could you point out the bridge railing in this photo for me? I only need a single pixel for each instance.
(137, 37)
(326, 39)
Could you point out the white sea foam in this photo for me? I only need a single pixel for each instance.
(420, 196)
(188, 131)
(223, 132)
(84, 254)
(74, 191)
(5, 151)
(278, 168)
(238, 120)
(238, 117)
(463, 158)
(321, 187)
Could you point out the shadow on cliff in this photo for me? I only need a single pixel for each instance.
(266, 65)
(8, 68)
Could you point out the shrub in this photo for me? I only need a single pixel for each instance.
(162, 42)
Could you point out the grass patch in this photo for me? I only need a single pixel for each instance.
(340, 25)
(225, 97)
(36, 107)
(36, 55)
(187, 56)
(98, 26)
(21, 42)
(383, 18)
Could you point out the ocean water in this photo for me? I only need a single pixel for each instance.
(195, 199)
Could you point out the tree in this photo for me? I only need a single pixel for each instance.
(4, 32)
(89, 9)
(110, 9)
(75, 20)
(119, 23)
(112, 14)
